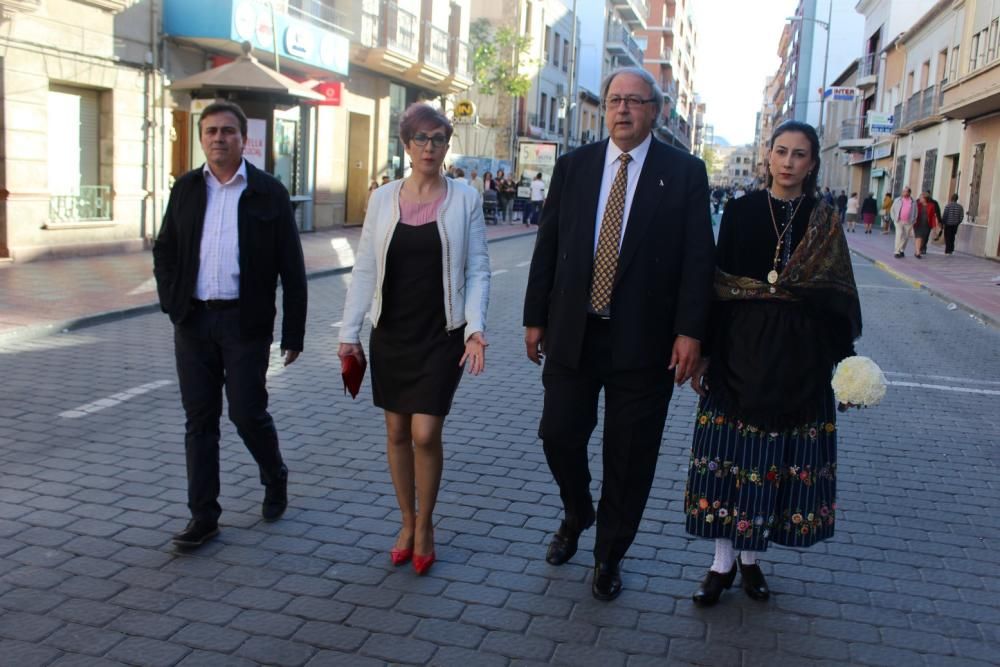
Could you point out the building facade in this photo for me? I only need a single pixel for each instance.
(669, 42)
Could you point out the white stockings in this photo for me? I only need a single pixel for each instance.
(725, 556)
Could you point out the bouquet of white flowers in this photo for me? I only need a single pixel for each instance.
(858, 381)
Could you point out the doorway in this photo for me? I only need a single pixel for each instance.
(952, 175)
(358, 168)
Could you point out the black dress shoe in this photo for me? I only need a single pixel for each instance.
(276, 497)
(564, 542)
(753, 582)
(196, 534)
(607, 581)
(712, 586)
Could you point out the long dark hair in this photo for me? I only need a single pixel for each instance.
(809, 185)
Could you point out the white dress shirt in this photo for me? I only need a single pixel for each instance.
(611, 164)
(219, 267)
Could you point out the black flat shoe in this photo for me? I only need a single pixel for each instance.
(607, 581)
(712, 586)
(196, 534)
(275, 497)
(753, 582)
(564, 542)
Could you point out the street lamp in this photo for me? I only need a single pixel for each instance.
(826, 56)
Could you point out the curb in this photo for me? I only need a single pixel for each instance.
(985, 318)
(34, 331)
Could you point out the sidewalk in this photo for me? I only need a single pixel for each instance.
(972, 283)
(48, 296)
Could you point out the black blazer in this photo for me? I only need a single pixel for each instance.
(663, 285)
(269, 248)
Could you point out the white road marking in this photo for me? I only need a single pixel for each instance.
(498, 272)
(949, 378)
(889, 287)
(521, 265)
(113, 400)
(337, 325)
(145, 288)
(942, 387)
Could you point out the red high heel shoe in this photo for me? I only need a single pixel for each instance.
(400, 556)
(421, 564)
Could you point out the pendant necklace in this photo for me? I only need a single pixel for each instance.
(772, 275)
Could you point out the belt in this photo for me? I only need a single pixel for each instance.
(215, 304)
(596, 316)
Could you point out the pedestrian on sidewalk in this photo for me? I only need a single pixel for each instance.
(228, 235)
(620, 304)
(852, 211)
(869, 209)
(887, 213)
(923, 225)
(904, 214)
(764, 453)
(425, 327)
(842, 206)
(951, 219)
(537, 200)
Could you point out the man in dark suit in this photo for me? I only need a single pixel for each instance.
(227, 236)
(618, 298)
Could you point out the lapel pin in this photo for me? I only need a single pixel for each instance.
(661, 182)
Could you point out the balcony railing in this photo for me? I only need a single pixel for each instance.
(619, 34)
(92, 202)
(868, 66)
(385, 25)
(923, 104)
(321, 13)
(435, 46)
(461, 59)
(853, 129)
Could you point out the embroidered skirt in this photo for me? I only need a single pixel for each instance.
(756, 488)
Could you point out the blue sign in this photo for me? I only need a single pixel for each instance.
(251, 21)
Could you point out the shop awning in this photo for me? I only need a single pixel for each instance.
(245, 74)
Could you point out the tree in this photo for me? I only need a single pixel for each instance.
(712, 161)
(497, 55)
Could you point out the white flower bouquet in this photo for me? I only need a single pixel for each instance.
(858, 381)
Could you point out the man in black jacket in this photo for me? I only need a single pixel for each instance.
(618, 299)
(227, 236)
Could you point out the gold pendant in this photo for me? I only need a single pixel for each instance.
(772, 276)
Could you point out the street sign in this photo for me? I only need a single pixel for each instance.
(842, 93)
(879, 122)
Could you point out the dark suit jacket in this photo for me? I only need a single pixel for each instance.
(663, 285)
(269, 248)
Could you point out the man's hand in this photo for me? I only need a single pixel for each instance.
(698, 380)
(291, 356)
(534, 343)
(684, 358)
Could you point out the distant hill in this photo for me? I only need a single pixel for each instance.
(721, 141)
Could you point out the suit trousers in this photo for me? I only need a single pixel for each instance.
(904, 230)
(635, 409)
(210, 356)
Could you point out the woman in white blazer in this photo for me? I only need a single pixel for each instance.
(423, 274)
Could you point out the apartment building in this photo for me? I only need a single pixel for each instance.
(835, 162)
(669, 43)
(81, 135)
(972, 94)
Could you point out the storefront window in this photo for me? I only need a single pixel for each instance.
(396, 158)
(286, 147)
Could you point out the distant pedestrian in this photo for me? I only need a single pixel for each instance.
(475, 182)
(385, 179)
(925, 222)
(887, 213)
(951, 219)
(537, 200)
(842, 206)
(828, 197)
(904, 214)
(869, 209)
(425, 326)
(227, 237)
(851, 210)
(507, 191)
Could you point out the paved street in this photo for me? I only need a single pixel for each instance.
(93, 485)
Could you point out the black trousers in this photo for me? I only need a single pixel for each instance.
(635, 409)
(210, 355)
(949, 238)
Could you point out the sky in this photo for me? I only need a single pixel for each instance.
(737, 50)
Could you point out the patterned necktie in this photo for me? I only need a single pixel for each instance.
(606, 258)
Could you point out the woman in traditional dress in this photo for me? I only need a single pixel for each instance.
(422, 272)
(764, 457)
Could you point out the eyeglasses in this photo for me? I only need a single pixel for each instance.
(615, 101)
(437, 140)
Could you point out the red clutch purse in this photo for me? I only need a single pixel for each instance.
(353, 371)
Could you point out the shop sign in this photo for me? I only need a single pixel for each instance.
(879, 122)
(878, 172)
(245, 21)
(265, 30)
(465, 112)
(842, 93)
(332, 91)
(253, 149)
(299, 42)
(333, 52)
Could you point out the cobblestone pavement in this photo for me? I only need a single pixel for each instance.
(93, 485)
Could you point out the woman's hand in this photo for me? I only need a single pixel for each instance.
(351, 350)
(699, 381)
(475, 353)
